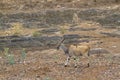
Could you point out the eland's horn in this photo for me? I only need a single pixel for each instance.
(60, 42)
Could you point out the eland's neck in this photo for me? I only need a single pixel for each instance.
(64, 48)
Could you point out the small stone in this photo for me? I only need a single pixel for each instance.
(65, 66)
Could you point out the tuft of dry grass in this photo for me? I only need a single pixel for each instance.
(17, 29)
(36, 34)
(63, 28)
(75, 19)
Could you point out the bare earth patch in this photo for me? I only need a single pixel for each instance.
(98, 22)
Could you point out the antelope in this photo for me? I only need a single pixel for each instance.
(74, 51)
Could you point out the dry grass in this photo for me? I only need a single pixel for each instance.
(30, 5)
(49, 64)
(17, 29)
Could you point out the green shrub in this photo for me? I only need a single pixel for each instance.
(36, 34)
(11, 59)
(6, 50)
(62, 30)
(23, 54)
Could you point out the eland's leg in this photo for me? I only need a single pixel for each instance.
(89, 59)
(67, 61)
(76, 60)
(88, 64)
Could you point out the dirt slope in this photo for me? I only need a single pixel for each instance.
(98, 22)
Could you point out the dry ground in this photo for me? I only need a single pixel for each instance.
(48, 64)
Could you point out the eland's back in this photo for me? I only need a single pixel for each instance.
(79, 50)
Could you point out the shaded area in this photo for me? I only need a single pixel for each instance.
(43, 41)
(112, 34)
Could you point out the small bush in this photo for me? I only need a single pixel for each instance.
(62, 30)
(11, 59)
(16, 29)
(23, 54)
(6, 51)
(36, 34)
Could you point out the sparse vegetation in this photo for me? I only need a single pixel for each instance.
(23, 54)
(62, 30)
(36, 34)
(6, 51)
(16, 29)
(11, 59)
(39, 25)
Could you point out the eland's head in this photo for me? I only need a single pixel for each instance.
(61, 46)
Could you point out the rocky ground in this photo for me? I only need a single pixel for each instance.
(39, 30)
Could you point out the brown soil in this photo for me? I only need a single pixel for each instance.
(48, 64)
